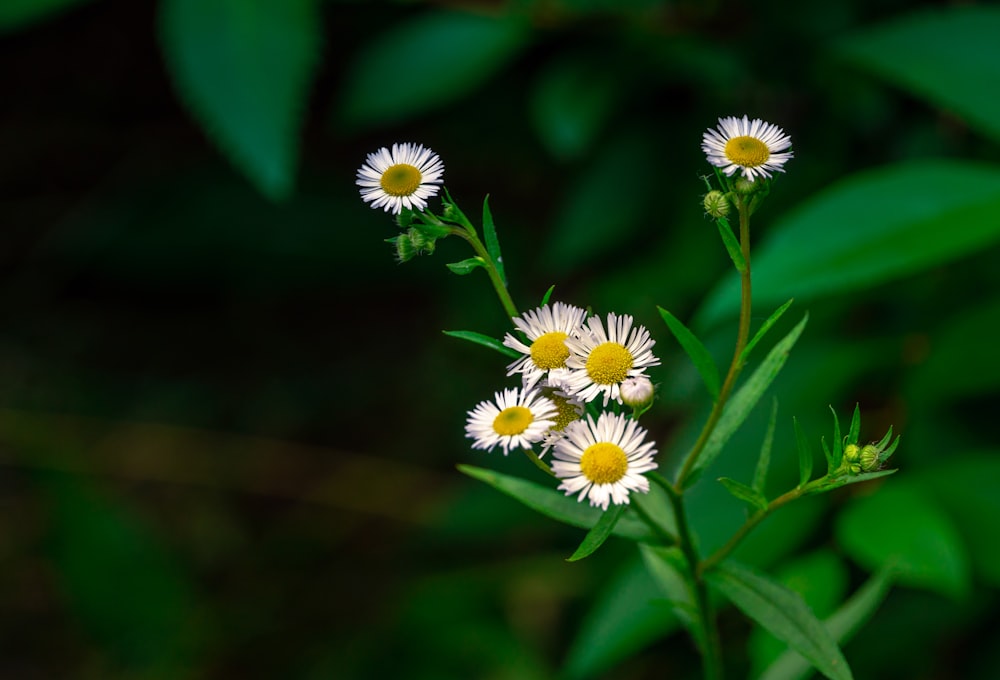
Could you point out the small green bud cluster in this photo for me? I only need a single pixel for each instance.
(867, 458)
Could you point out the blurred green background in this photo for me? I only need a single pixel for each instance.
(229, 421)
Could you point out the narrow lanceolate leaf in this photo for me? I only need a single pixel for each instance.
(765, 327)
(739, 406)
(602, 530)
(732, 245)
(783, 614)
(805, 454)
(485, 341)
(764, 461)
(843, 480)
(855, 430)
(492, 242)
(695, 350)
(466, 266)
(837, 451)
(548, 295)
(842, 624)
(667, 566)
(244, 70)
(744, 493)
(558, 506)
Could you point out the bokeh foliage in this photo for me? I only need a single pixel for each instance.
(229, 422)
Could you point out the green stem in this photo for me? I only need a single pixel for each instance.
(533, 457)
(742, 335)
(752, 521)
(668, 538)
(711, 648)
(469, 234)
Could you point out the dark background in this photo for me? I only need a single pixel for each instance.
(229, 421)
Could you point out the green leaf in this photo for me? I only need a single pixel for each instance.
(782, 613)
(831, 483)
(602, 530)
(558, 506)
(901, 526)
(667, 566)
(492, 242)
(745, 398)
(466, 266)
(855, 429)
(762, 331)
(695, 350)
(837, 453)
(485, 341)
(764, 461)
(944, 55)
(842, 624)
(244, 70)
(805, 454)
(732, 245)
(548, 295)
(870, 228)
(428, 61)
(744, 493)
(120, 580)
(16, 14)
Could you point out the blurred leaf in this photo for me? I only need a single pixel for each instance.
(945, 55)
(900, 526)
(744, 493)
(764, 460)
(821, 579)
(427, 61)
(805, 453)
(485, 341)
(602, 530)
(869, 228)
(764, 328)
(843, 624)
(119, 579)
(492, 242)
(746, 397)
(466, 266)
(666, 566)
(966, 488)
(782, 613)
(16, 14)
(558, 506)
(603, 208)
(570, 103)
(700, 357)
(626, 615)
(244, 70)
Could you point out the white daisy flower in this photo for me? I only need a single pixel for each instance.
(402, 178)
(600, 361)
(514, 419)
(568, 410)
(547, 328)
(750, 146)
(604, 460)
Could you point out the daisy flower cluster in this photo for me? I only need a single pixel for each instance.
(569, 364)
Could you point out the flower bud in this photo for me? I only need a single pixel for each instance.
(405, 250)
(746, 187)
(420, 240)
(637, 392)
(869, 458)
(852, 454)
(715, 203)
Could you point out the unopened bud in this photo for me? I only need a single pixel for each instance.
(852, 454)
(405, 250)
(637, 392)
(716, 204)
(745, 187)
(869, 458)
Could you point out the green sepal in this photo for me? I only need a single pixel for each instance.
(492, 242)
(695, 350)
(485, 341)
(783, 613)
(744, 493)
(739, 406)
(732, 245)
(558, 506)
(805, 454)
(466, 266)
(764, 461)
(765, 327)
(548, 294)
(602, 530)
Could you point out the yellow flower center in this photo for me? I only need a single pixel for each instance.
(565, 413)
(604, 463)
(549, 351)
(512, 420)
(747, 152)
(609, 363)
(401, 179)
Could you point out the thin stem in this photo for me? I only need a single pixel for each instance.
(542, 465)
(469, 234)
(667, 537)
(752, 521)
(742, 334)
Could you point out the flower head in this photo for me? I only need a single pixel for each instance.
(402, 178)
(515, 418)
(547, 328)
(603, 460)
(754, 147)
(568, 409)
(601, 360)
